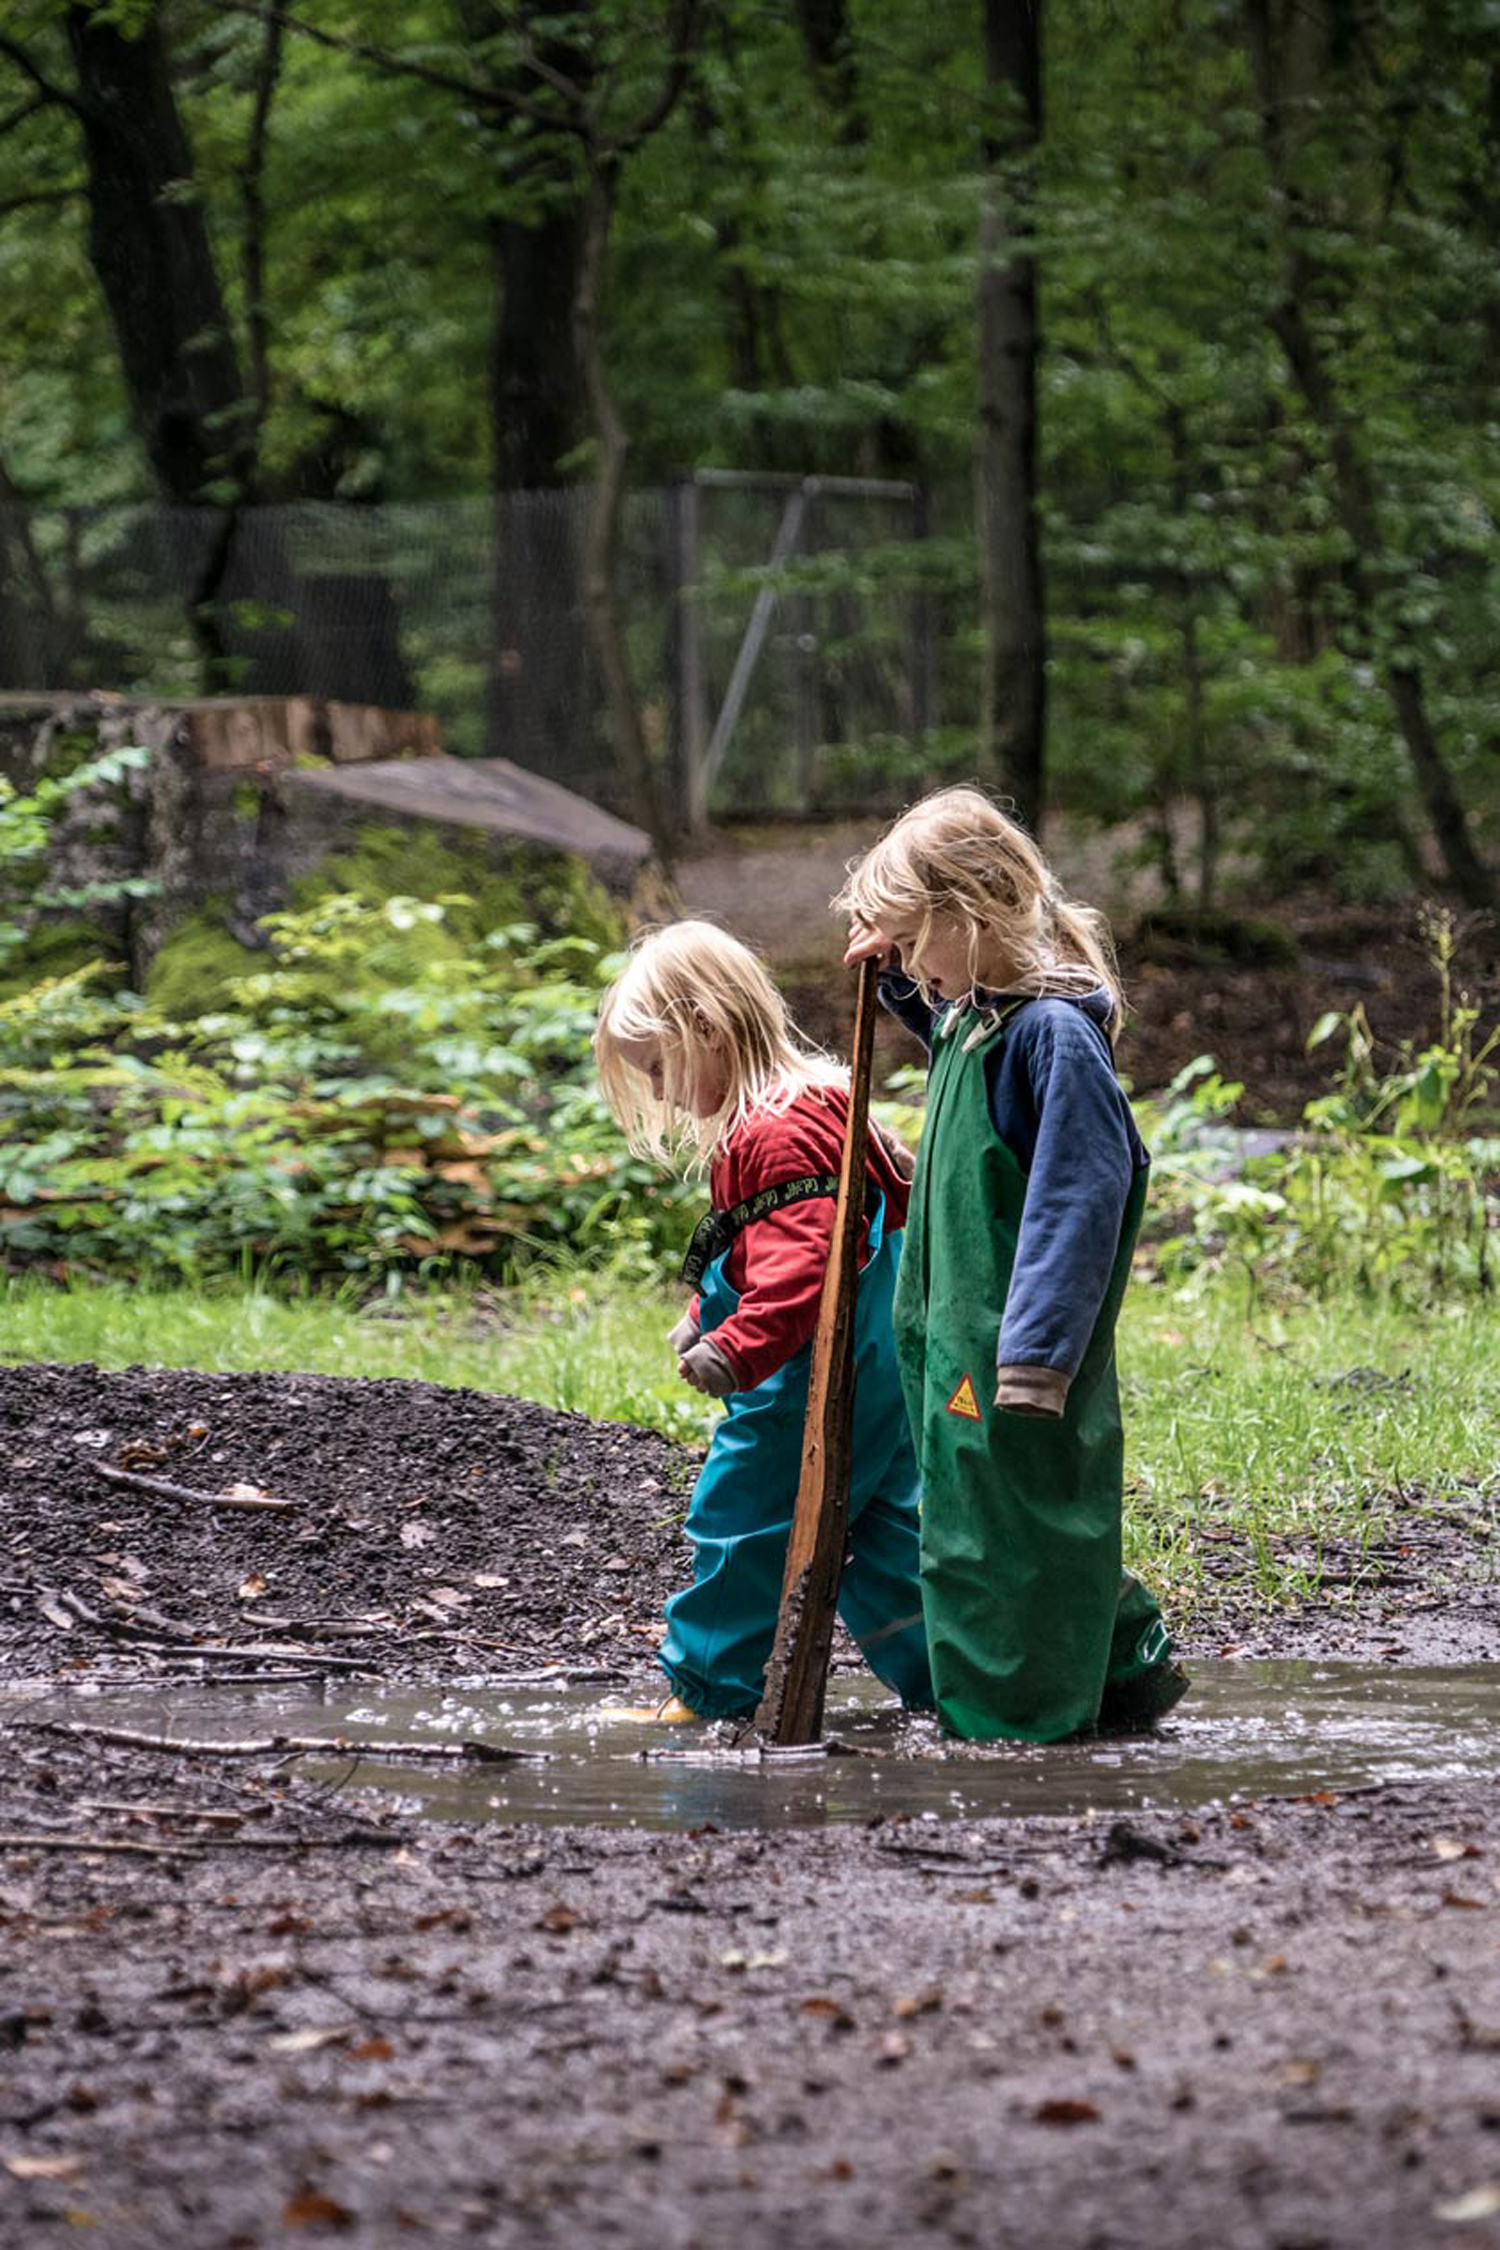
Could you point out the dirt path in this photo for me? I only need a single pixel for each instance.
(772, 887)
(1272, 2024)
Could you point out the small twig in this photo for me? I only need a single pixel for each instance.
(174, 1812)
(18, 1840)
(164, 1489)
(305, 1657)
(198, 1847)
(278, 1745)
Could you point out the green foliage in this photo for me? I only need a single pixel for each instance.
(1389, 1189)
(791, 285)
(31, 900)
(396, 1083)
(356, 1107)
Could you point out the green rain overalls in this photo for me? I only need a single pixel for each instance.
(1028, 1612)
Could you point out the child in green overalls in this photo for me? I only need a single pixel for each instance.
(697, 1059)
(1024, 1210)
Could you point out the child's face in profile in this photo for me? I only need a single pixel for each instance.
(692, 1078)
(951, 957)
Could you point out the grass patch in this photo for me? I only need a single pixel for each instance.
(1280, 1439)
(1311, 1429)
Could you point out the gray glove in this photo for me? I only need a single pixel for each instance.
(707, 1369)
(683, 1337)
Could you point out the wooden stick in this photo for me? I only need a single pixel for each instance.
(164, 1489)
(791, 1710)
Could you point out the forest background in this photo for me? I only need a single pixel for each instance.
(1180, 321)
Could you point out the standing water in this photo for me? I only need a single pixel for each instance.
(1247, 1730)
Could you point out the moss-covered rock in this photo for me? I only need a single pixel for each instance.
(194, 970)
(549, 892)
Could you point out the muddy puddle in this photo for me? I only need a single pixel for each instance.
(1250, 1729)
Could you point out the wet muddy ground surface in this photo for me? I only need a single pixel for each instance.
(243, 2004)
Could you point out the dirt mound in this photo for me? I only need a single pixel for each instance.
(429, 1527)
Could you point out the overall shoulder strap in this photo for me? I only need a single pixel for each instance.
(713, 1235)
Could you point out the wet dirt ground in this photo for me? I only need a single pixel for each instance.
(242, 2004)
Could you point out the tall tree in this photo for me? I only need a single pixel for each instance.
(1013, 689)
(1291, 53)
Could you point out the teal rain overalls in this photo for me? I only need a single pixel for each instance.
(1028, 1611)
(720, 1629)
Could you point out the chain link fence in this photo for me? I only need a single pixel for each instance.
(781, 636)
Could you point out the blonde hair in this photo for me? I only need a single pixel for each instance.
(694, 989)
(956, 853)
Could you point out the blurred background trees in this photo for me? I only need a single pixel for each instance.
(325, 330)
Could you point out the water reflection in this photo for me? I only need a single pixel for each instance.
(1249, 1729)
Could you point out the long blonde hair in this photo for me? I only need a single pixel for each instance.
(956, 853)
(695, 990)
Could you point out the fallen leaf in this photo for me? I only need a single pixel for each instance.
(1480, 2203)
(376, 2048)
(44, 2167)
(251, 1588)
(1065, 2112)
(821, 2005)
(307, 2042)
(1451, 1897)
(55, 1614)
(245, 1492)
(1453, 1847)
(489, 1578)
(310, 2208)
(559, 1919)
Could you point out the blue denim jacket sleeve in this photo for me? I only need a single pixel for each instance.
(1058, 1106)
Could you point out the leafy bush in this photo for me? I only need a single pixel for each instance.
(1388, 1187)
(362, 1103)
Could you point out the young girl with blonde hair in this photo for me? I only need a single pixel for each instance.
(698, 1061)
(1028, 1193)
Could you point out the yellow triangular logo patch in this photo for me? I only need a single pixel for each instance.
(964, 1402)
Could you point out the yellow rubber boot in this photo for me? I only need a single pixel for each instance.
(673, 1713)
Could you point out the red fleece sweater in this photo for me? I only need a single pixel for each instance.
(777, 1263)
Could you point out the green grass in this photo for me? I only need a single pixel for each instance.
(592, 1346)
(1309, 1425)
(1283, 1432)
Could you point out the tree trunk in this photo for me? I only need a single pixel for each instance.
(1354, 486)
(539, 709)
(601, 544)
(538, 705)
(1012, 717)
(149, 244)
(829, 44)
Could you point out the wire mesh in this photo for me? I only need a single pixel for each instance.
(474, 608)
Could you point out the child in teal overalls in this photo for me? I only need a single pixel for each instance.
(697, 1059)
(1024, 1210)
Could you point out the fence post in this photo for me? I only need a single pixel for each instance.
(691, 739)
(924, 669)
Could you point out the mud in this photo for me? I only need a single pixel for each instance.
(241, 2007)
